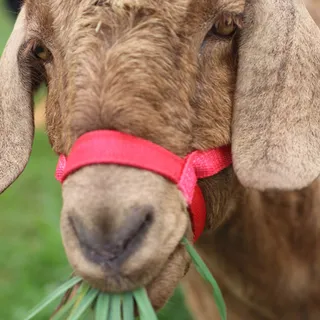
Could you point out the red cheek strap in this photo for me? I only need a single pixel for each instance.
(114, 147)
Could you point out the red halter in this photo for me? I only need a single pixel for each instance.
(113, 147)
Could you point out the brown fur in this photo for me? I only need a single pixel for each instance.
(140, 67)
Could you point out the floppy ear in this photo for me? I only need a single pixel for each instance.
(313, 7)
(16, 116)
(276, 124)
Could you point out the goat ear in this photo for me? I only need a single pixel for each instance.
(16, 116)
(276, 124)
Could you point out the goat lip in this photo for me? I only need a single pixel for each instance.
(116, 281)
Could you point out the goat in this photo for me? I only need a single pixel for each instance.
(183, 74)
(314, 8)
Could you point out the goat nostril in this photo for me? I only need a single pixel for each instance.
(132, 233)
(149, 217)
(113, 246)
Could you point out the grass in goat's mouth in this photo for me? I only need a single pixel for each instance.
(80, 299)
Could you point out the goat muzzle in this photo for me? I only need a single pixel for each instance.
(113, 147)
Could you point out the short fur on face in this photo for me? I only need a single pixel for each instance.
(165, 71)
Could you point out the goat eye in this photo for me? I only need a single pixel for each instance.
(225, 26)
(41, 52)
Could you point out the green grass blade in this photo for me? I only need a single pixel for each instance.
(84, 304)
(115, 307)
(102, 307)
(62, 313)
(145, 308)
(206, 274)
(83, 290)
(54, 295)
(128, 306)
(88, 315)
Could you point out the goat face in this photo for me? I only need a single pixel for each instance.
(164, 71)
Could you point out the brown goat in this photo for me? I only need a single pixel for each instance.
(314, 8)
(172, 72)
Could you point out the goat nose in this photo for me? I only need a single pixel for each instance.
(103, 245)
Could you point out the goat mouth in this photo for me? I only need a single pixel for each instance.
(115, 281)
(159, 288)
(112, 275)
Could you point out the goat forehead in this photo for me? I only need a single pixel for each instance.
(123, 3)
(64, 12)
(118, 3)
(67, 13)
(175, 4)
(58, 21)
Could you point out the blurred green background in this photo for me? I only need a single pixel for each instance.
(32, 259)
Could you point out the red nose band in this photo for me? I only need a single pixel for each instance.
(113, 147)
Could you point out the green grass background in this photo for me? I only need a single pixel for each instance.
(32, 259)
